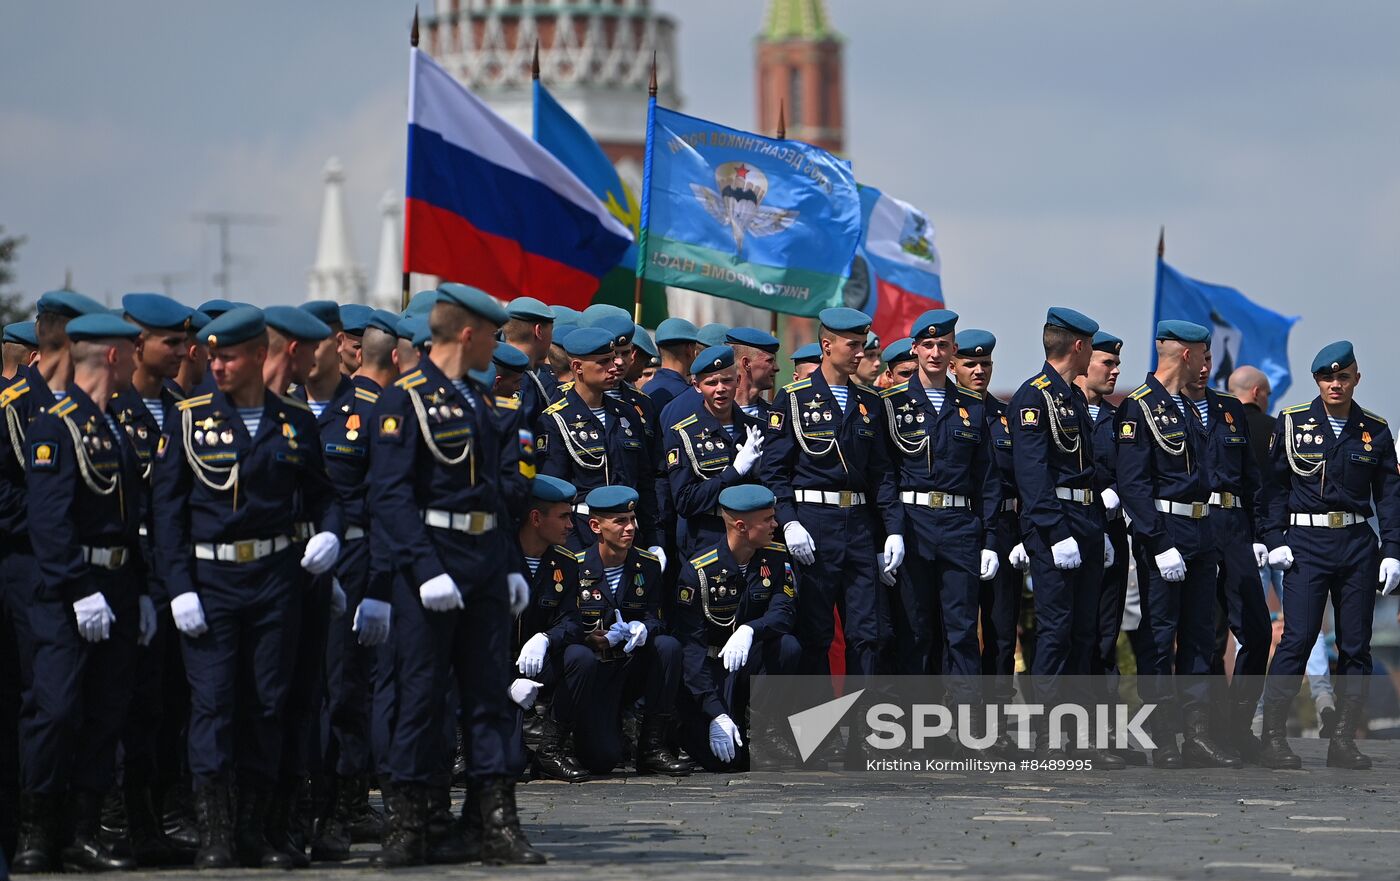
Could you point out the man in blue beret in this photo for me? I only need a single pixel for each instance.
(530, 329)
(630, 366)
(1164, 482)
(550, 625)
(293, 336)
(216, 307)
(756, 357)
(869, 368)
(627, 652)
(679, 342)
(194, 368)
(592, 439)
(85, 494)
(239, 469)
(951, 497)
(712, 334)
(805, 361)
(1062, 519)
(422, 302)
(20, 347)
(825, 459)
(1333, 466)
(354, 318)
(435, 487)
(407, 353)
(899, 361)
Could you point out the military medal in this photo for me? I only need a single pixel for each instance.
(597, 595)
(226, 436)
(826, 415)
(352, 426)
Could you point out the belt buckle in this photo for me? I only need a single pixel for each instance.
(845, 498)
(116, 558)
(244, 551)
(1088, 496)
(1198, 510)
(476, 523)
(935, 500)
(1227, 500)
(1334, 519)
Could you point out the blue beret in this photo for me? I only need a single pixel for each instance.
(486, 378)
(872, 341)
(157, 311)
(712, 334)
(611, 500)
(975, 342)
(510, 358)
(216, 307)
(68, 303)
(529, 309)
(473, 300)
(552, 489)
(934, 322)
(566, 313)
(198, 320)
(327, 311)
(383, 319)
(422, 332)
(621, 327)
(588, 341)
(101, 326)
(237, 325)
(1182, 331)
(753, 338)
(561, 330)
(1107, 342)
(21, 332)
(1078, 322)
(354, 318)
(643, 341)
(422, 303)
(1333, 357)
(746, 497)
(676, 330)
(296, 323)
(899, 350)
(810, 353)
(844, 319)
(406, 328)
(712, 359)
(593, 316)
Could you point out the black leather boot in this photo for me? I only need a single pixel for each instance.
(552, 756)
(1341, 749)
(363, 822)
(255, 805)
(406, 843)
(446, 846)
(177, 818)
(1241, 731)
(1198, 750)
(86, 852)
(38, 834)
(1276, 752)
(653, 756)
(470, 822)
(144, 831)
(332, 841)
(281, 823)
(1166, 755)
(502, 840)
(215, 821)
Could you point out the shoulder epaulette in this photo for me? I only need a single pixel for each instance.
(14, 393)
(295, 402)
(64, 407)
(1140, 392)
(366, 395)
(895, 389)
(1298, 408)
(196, 401)
(648, 554)
(867, 388)
(1374, 416)
(578, 557)
(556, 406)
(560, 549)
(413, 380)
(977, 396)
(776, 546)
(636, 391)
(797, 386)
(686, 421)
(507, 403)
(1042, 381)
(1225, 394)
(566, 387)
(705, 559)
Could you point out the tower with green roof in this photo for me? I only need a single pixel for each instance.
(799, 68)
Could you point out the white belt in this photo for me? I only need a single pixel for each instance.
(1010, 505)
(1082, 496)
(470, 522)
(935, 500)
(1194, 510)
(242, 551)
(105, 558)
(1330, 520)
(842, 499)
(1225, 500)
(354, 532)
(581, 509)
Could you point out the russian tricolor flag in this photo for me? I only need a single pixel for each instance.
(904, 271)
(489, 207)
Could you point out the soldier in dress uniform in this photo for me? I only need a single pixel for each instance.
(503, 378)
(236, 468)
(734, 617)
(529, 329)
(756, 357)
(648, 359)
(900, 363)
(715, 446)
(435, 489)
(547, 627)
(627, 652)
(354, 318)
(19, 349)
(679, 343)
(84, 502)
(869, 369)
(825, 460)
(412, 331)
(805, 361)
(1333, 465)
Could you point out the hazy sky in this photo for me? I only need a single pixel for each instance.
(1047, 141)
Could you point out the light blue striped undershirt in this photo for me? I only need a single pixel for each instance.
(156, 408)
(1337, 425)
(465, 391)
(1203, 407)
(317, 407)
(842, 394)
(533, 563)
(252, 418)
(1094, 411)
(936, 396)
(614, 576)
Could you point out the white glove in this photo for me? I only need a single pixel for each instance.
(799, 543)
(1111, 502)
(532, 655)
(519, 590)
(1261, 555)
(146, 627)
(372, 618)
(735, 653)
(894, 553)
(440, 593)
(1066, 554)
(637, 637)
(188, 614)
(524, 692)
(1108, 553)
(724, 737)
(1018, 558)
(1171, 565)
(619, 631)
(749, 451)
(339, 602)
(322, 550)
(1390, 575)
(990, 564)
(889, 579)
(1281, 558)
(94, 617)
(655, 550)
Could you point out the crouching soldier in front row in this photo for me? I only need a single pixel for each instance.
(734, 616)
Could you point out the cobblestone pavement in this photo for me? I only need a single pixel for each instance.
(1137, 823)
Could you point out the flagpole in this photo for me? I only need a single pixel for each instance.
(646, 197)
(782, 135)
(412, 44)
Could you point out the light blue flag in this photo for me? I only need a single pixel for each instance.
(1242, 331)
(771, 223)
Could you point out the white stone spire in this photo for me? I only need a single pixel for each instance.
(388, 274)
(336, 275)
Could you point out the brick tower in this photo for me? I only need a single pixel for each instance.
(799, 67)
